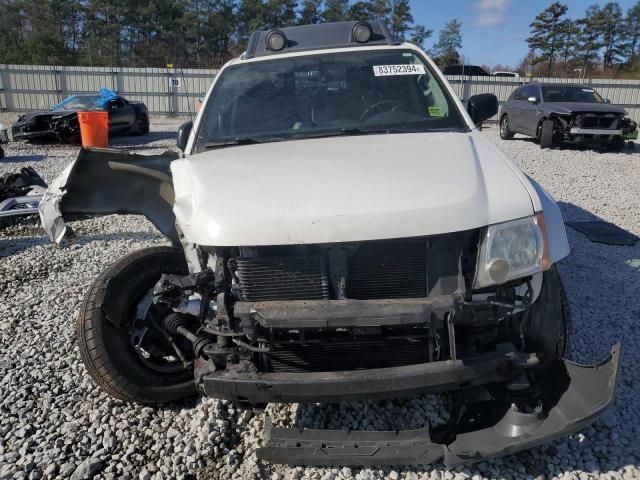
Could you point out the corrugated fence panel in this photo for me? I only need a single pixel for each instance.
(175, 91)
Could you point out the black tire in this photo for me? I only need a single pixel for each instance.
(546, 134)
(143, 125)
(548, 329)
(617, 144)
(505, 131)
(1, 153)
(103, 336)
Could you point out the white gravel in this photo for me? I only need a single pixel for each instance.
(54, 423)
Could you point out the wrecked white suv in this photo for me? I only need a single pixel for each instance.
(340, 230)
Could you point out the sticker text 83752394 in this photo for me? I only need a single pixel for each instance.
(387, 70)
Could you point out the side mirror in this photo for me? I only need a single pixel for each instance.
(532, 100)
(482, 107)
(184, 131)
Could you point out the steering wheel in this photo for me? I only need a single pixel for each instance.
(372, 108)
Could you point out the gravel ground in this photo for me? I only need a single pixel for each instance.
(54, 423)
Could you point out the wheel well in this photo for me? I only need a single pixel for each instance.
(539, 127)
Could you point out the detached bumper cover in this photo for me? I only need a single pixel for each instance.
(573, 396)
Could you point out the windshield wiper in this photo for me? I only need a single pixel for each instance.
(345, 131)
(242, 141)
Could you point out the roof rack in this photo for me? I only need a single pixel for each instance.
(320, 36)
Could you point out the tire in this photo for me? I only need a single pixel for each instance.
(548, 330)
(546, 134)
(143, 125)
(505, 132)
(1, 153)
(617, 144)
(102, 329)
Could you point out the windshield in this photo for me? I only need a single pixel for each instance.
(570, 94)
(376, 91)
(81, 102)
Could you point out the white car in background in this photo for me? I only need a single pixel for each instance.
(341, 230)
(506, 74)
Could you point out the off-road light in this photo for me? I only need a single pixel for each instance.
(276, 40)
(362, 32)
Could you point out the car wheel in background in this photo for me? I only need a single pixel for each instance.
(505, 132)
(546, 134)
(143, 125)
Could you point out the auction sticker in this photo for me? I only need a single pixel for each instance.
(390, 70)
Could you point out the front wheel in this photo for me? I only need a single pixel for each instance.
(122, 349)
(548, 326)
(505, 131)
(546, 134)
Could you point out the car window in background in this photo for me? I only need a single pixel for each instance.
(85, 102)
(577, 94)
(315, 95)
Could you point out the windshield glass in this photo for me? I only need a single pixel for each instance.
(374, 91)
(81, 102)
(570, 94)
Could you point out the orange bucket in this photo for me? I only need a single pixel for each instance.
(94, 128)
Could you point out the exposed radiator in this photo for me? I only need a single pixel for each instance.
(285, 278)
(388, 269)
(365, 354)
(592, 120)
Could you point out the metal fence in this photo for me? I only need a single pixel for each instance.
(163, 90)
(175, 91)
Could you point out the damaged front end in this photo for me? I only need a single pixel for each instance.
(63, 126)
(329, 322)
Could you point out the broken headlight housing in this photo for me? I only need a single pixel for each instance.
(512, 250)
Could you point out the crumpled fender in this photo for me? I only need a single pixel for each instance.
(103, 181)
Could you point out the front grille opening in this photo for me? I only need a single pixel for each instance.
(388, 269)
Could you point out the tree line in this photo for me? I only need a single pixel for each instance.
(180, 32)
(605, 41)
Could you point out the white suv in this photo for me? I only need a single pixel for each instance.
(341, 230)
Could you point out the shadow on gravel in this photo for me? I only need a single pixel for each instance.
(19, 243)
(22, 158)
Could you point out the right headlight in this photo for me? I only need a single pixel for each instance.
(512, 250)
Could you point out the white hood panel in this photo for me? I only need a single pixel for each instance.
(342, 189)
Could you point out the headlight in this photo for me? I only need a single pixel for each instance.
(512, 250)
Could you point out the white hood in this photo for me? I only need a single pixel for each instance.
(342, 189)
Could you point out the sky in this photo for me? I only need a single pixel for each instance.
(493, 31)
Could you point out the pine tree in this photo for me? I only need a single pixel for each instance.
(311, 12)
(632, 24)
(546, 32)
(336, 10)
(445, 51)
(251, 17)
(281, 13)
(569, 32)
(589, 39)
(612, 31)
(419, 35)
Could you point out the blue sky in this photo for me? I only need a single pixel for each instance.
(494, 31)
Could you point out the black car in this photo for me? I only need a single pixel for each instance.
(468, 70)
(61, 122)
(565, 113)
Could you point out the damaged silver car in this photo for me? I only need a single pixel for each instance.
(340, 230)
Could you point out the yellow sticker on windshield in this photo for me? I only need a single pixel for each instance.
(435, 111)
